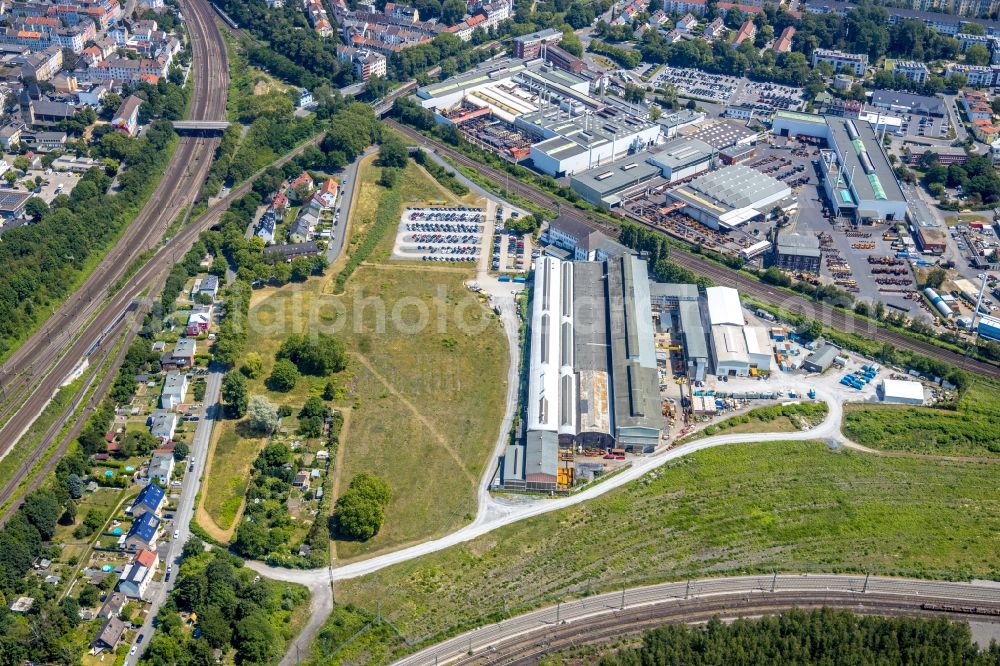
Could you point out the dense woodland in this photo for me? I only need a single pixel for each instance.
(238, 612)
(814, 638)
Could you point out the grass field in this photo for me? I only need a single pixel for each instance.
(425, 382)
(229, 475)
(760, 507)
(773, 418)
(973, 429)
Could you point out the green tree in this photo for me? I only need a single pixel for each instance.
(215, 628)
(372, 487)
(255, 640)
(36, 208)
(977, 54)
(358, 517)
(262, 415)
(452, 11)
(234, 393)
(180, 451)
(392, 151)
(253, 366)
(283, 377)
(935, 278)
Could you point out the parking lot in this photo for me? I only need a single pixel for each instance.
(767, 96)
(440, 234)
(696, 83)
(732, 90)
(511, 251)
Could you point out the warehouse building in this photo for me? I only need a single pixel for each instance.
(902, 102)
(679, 309)
(797, 253)
(989, 328)
(676, 160)
(575, 143)
(726, 134)
(858, 178)
(901, 392)
(684, 158)
(602, 185)
(592, 375)
(737, 349)
(821, 359)
(931, 240)
(732, 196)
(569, 238)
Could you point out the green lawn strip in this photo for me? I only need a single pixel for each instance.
(972, 428)
(795, 506)
(227, 481)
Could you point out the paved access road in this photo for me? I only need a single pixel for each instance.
(210, 413)
(536, 632)
(493, 513)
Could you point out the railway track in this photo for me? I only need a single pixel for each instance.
(31, 480)
(530, 648)
(35, 371)
(30, 364)
(831, 317)
(524, 638)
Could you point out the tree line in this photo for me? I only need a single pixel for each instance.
(823, 636)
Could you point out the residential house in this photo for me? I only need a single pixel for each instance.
(301, 481)
(174, 388)
(783, 44)
(854, 63)
(112, 606)
(137, 574)
(108, 635)
(209, 286)
(685, 24)
(161, 466)
(126, 119)
(748, 31)
(199, 320)
(143, 533)
(291, 250)
(10, 135)
(715, 29)
(149, 500)
(162, 424)
(184, 352)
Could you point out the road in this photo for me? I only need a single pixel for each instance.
(337, 237)
(721, 275)
(616, 613)
(34, 371)
(170, 549)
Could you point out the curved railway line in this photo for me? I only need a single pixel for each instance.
(831, 317)
(524, 639)
(632, 623)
